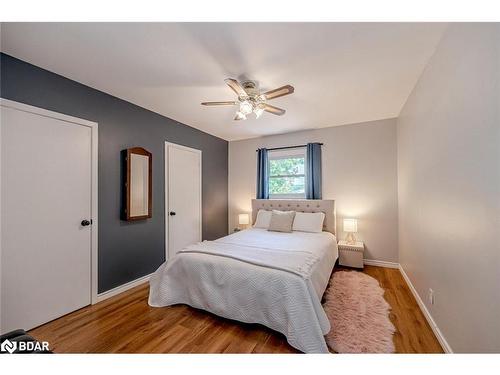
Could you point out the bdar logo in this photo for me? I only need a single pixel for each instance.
(24, 346)
(8, 346)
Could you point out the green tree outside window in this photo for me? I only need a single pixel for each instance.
(286, 175)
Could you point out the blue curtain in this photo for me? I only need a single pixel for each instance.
(262, 174)
(313, 171)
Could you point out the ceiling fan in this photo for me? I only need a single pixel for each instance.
(250, 100)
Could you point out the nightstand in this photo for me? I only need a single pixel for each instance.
(351, 255)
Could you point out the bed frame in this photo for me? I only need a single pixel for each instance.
(301, 205)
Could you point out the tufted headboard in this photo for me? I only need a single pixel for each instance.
(301, 205)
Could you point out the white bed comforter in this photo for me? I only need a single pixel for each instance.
(255, 276)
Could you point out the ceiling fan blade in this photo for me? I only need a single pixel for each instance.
(218, 103)
(273, 110)
(236, 87)
(280, 91)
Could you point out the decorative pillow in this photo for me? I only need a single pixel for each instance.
(263, 219)
(309, 222)
(281, 221)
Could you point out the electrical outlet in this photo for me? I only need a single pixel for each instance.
(431, 296)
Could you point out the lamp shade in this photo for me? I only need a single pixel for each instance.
(350, 225)
(243, 219)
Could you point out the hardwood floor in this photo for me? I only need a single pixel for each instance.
(127, 324)
(413, 333)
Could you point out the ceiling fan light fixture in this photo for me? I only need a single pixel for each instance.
(246, 107)
(258, 112)
(250, 100)
(240, 116)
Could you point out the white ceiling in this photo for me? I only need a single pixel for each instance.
(342, 72)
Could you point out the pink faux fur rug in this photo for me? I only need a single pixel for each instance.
(358, 314)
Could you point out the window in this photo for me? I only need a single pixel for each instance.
(287, 173)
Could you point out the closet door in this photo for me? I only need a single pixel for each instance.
(46, 231)
(182, 197)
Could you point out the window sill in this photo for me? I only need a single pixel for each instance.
(286, 196)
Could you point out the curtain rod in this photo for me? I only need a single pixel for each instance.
(287, 147)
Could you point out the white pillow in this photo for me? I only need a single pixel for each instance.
(309, 222)
(263, 219)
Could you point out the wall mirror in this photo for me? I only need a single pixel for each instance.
(137, 189)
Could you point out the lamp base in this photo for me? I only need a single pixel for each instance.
(350, 239)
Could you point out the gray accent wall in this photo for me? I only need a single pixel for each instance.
(127, 250)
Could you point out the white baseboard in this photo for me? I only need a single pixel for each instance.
(380, 263)
(439, 335)
(122, 288)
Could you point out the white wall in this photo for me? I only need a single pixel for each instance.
(359, 172)
(449, 187)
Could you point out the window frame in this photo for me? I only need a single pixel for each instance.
(287, 154)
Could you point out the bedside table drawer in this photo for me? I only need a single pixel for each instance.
(351, 256)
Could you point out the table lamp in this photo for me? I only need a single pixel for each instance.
(243, 219)
(350, 227)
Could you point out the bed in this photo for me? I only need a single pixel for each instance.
(258, 276)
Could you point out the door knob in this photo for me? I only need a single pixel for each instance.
(85, 223)
(172, 213)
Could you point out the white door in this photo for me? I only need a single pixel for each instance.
(46, 186)
(182, 197)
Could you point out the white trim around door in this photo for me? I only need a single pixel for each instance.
(123, 288)
(167, 216)
(94, 191)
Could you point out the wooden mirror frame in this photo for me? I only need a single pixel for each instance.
(126, 161)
